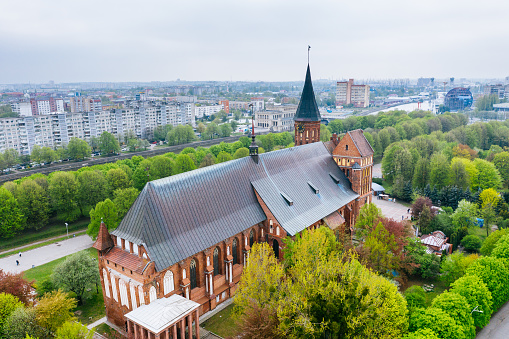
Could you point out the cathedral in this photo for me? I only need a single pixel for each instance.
(188, 236)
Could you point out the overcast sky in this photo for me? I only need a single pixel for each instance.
(75, 41)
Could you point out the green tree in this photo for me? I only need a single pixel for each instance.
(63, 190)
(78, 272)
(501, 249)
(78, 149)
(93, 188)
(223, 157)
(439, 171)
(488, 176)
(183, 163)
(140, 178)
(471, 243)
(437, 320)
(457, 307)
(161, 167)
(73, 330)
(423, 333)
(325, 133)
(501, 162)
(36, 154)
(454, 266)
(241, 153)
(493, 272)
(22, 322)
(124, 199)
(368, 215)
(380, 247)
(161, 131)
(336, 126)
(108, 144)
(106, 211)
(8, 303)
(34, 204)
(11, 217)
(421, 173)
(459, 175)
(415, 297)
(208, 160)
(54, 309)
(465, 215)
(478, 297)
(10, 157)
(117, 179)
(225, 130)
(491, 241)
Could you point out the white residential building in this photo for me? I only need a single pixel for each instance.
(201, 111)
(277, 118)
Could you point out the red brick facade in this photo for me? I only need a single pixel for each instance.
(307, 132)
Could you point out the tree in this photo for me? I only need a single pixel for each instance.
(117, 179)
(94, 143)
(459, 175)
(223, 157)
(491, 241)
(93, 188)
(501, 162)
(105, 211)
(76, 273)
(493, 272)
(488, 176)
(73, 330)
(63, 190)
(478, 297)
(423, 333)
(465, 215)
(439, 171)
(325, 133)
(368, 215)
(15, 285)
(208, 160)
(124, 199)
(455, 265)
(10, 157)
(54, 309)
(183, 163)
(225, 130)
(501, 250)
(140, 177)
(108, 144)
(161, 167)
(425, 220)
(259, 322)
(380, 248)
(36, 154)
(457, 307)
(22, 323)
(471, 243)
(78, 149)
(437, 320)
(421, 173)
(415, 297)
(419, 204)
(8, 303)
(11, 217)
(241, 153)
(336, 126)
(161, 131)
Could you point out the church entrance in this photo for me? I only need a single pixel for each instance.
(275, 247)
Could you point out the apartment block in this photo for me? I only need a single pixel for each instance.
(81, 104)
(349, 94)
(201, 111)
(46, 105)
(277, 118)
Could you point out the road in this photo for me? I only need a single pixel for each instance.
(498, 328)
(45, 254)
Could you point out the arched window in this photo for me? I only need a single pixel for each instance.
(216, 261)
(277, 230)
(141, 296)
(251, 238)
(152, 294)
(123, 294)
(135, 249)
(133, 296)
(192, 268)
(168, 282)
(106, 283)
(114, 287)
(234, 252)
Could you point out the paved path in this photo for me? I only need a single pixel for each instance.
(498, 328)
(20, 248)
(377, 170)
(391, 209)
(45, 254)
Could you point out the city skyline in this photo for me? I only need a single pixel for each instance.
(251, 41)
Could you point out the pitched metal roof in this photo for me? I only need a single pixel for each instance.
(179, 216)
(289, 171)
(308, 109)
(361, 142)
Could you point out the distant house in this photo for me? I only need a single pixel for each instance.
(436, 243)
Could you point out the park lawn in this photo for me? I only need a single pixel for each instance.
(222, 323)
(53, 229)
(105, 330)
(480, 232)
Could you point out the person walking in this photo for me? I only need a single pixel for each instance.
(17, 263)
(20, 253)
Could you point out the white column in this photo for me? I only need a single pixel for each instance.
(244, 259)
(211, 284)
(206, 282)
(226, 267)
(187, 292)
(231, 272)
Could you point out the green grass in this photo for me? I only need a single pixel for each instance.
(105, 330)
(222, 323)
(6, 254)
(480, 232)
(54, 229)
(93, 303)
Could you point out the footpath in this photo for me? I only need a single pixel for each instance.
(21, 248)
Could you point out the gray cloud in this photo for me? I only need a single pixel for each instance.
(69, 41)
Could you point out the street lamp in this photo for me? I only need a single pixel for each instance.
(67, 228)
(476, 310)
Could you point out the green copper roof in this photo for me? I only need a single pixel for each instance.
(308, 109)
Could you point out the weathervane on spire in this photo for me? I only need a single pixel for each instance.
(309, 47)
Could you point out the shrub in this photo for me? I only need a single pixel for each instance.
(495, 275)
(502, 248)
(415, 296)
(478, 297)
(471, 243)
(491, 241)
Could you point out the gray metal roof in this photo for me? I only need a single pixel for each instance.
(307, 109)
(179, 216)
(289, 171)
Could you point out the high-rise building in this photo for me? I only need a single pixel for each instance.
(81, 104)
(502, 91)
(46, 105)
(349, 94)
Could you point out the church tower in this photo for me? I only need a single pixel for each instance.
(307, 119)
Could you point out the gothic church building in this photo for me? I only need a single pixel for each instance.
(190, 234)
